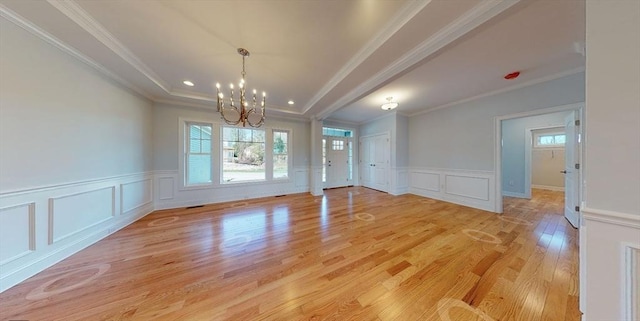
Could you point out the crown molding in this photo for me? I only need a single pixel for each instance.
(503, 90)
(470, 20)
(271, 111)
(82, 18)
(404, 15)
(28, 26)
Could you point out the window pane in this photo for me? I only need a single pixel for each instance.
(258, 136)
(280, 166)
(194, 131)
(560, 139)
(205, 146)
(545, 140)
(199, 169)
(280, 157)
(242, 155)
(194, 146)
(244, 135)
(230, 134)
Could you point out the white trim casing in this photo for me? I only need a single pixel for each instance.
(609, 269)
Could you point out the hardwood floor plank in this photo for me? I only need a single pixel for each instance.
(352, 254)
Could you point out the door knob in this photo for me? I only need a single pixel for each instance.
(563, 172)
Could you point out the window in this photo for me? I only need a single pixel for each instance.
(337, 145)
(243, 154)
(280, 154)
(549, 140)
(198, 154)
(336, 132)
(324, 160)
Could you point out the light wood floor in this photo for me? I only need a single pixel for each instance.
(354, 254)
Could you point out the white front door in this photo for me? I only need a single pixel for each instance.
(571, 169)
(337, 161)
(374, 165)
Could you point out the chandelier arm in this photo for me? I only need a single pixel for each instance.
(260, 122)
(230, 122)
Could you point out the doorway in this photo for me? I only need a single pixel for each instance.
(337, 157)
(508, 184)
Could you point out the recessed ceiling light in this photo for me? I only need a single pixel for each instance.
(188, 83)
(291, 102)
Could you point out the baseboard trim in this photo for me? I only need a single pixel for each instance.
(550, 188)
(514, 194)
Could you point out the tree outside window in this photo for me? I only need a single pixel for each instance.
(243, 154)
(280, 154)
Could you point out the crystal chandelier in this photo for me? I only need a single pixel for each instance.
(247, 111)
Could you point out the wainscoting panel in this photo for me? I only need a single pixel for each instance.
(465, 186)
(301, 177)
(135, 194)
(470, 188)
(40, 226)
(226, 192)
(71, 214)
(609, 265)
(17, 232)
(166, 187)
(429, 181)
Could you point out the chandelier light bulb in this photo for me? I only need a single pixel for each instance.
(218, 85)
(231, 86)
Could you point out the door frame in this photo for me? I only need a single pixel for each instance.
(497, 163)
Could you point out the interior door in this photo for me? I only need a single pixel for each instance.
(571, 169)
(380, 162)
(374, 162)
(337, 162)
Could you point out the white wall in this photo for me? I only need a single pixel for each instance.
(515, 151)
(462, 136)
(166, 119)
(611, 208)
(76, 155)
(546, 167)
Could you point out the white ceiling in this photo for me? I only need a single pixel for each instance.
(335, 59)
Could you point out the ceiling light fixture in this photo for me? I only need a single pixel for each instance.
(188, 83)
(244, 111)
(389, 104)
(291, 102)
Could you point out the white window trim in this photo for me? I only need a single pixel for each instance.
(182, 153)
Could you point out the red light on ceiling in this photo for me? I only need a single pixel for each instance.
(512, 75)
